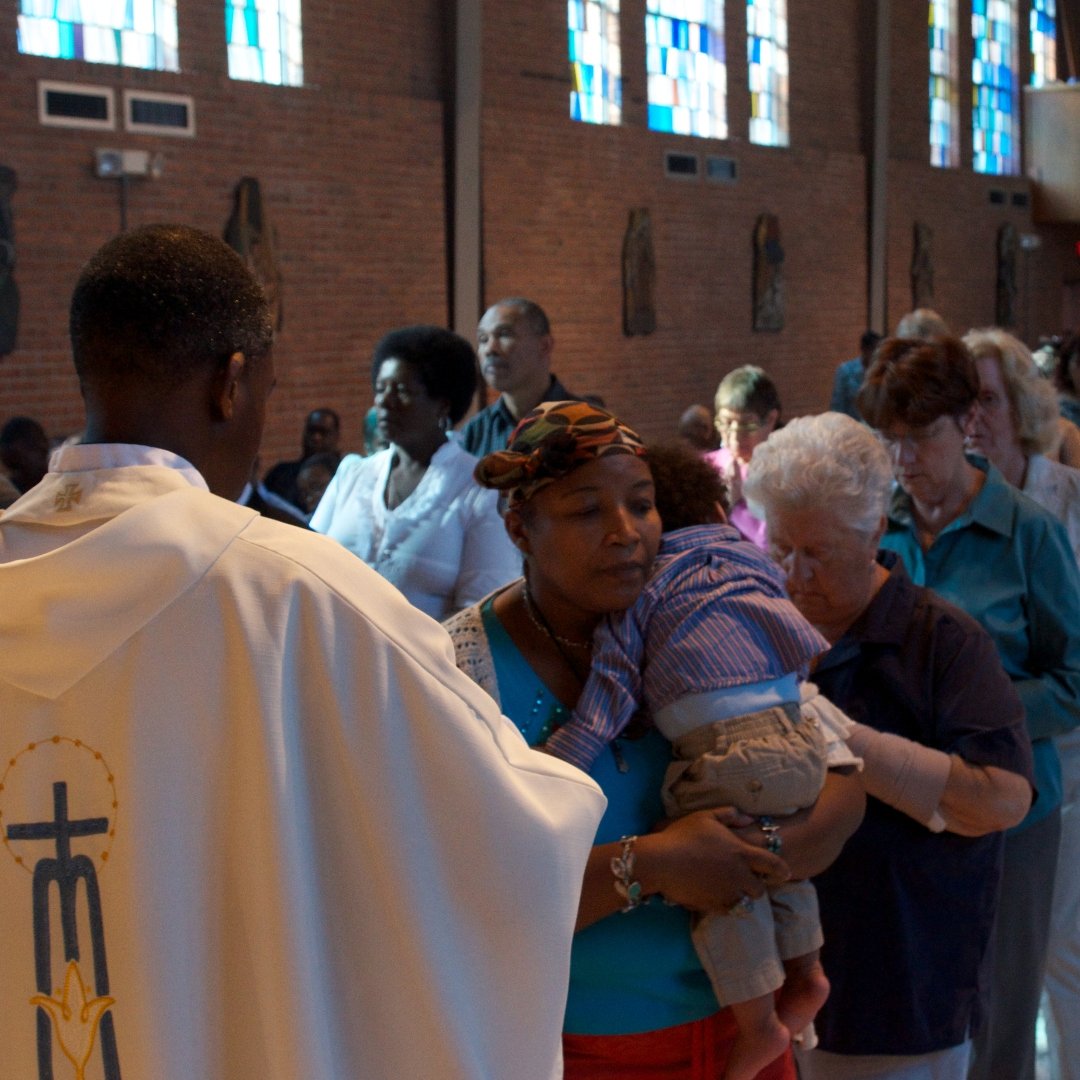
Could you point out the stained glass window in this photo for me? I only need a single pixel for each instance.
(264, 41)
(134, 33)
(995, 121)
(687, 67)
(595, 61)
(1043, 26)
(944, 148)
(767, 52)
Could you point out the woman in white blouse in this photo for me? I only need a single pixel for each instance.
(413, 511)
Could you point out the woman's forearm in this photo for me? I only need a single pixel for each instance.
(695, 861)
(811, 839)
(598, 896)
(929, 784)
(979, 799)
(812, 844)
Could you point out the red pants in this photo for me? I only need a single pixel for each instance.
(697, 1051)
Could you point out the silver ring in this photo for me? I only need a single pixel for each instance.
(742, 907)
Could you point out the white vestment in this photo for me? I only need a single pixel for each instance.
(317, 849)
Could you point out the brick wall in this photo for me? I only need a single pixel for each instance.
(557, 196)
(353, 173)
(351, 168)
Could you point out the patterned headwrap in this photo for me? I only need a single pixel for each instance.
(551, 441)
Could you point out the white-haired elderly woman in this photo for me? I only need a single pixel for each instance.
(907, 908)
(1014, 426)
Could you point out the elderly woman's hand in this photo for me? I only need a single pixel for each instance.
(696, 861)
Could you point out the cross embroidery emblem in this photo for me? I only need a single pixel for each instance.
(68, 496)
(67, 871)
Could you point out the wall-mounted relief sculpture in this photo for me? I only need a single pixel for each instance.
(768, 274)
(639, 275)
(922, 266)
(9, 290)
(1008, 243)
(250, 233)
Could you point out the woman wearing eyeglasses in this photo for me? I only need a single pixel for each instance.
(747, 412)
(965, 532)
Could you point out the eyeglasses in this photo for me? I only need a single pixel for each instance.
(738, 425)
(915, 437)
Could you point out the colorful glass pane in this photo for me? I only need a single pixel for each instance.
(1042, 23)
(686, 65)
(944, 151)
(767, 53)
(134, 33)
(595, 61)
(264, 41)
(995, 116)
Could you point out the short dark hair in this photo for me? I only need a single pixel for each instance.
(162, 302)
(913, 381)
(443, 361)
(748, 388)
(325, 459)
(325, 412)
(24, 431)
(530, 311)
(869, 340)
(687, 486)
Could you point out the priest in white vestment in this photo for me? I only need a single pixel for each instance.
(255, 824)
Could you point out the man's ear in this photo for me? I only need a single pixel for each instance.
(547, 346)
(226, 386)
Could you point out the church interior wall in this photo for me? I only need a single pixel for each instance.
(353, 173)
(351, 170)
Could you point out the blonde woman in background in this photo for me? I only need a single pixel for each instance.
(1015, 424)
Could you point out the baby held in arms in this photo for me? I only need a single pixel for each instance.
(718, 655)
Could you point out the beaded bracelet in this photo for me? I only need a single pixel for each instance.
(771, 830)
(622, 866)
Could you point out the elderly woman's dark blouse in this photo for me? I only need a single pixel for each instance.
(906, 912)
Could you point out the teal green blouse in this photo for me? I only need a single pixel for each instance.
(1008, 564)
(629, 972)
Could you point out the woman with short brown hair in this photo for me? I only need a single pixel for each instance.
(965, 532)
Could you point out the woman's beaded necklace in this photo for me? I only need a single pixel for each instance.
(558, 715)
(540, 622)
(538, 619)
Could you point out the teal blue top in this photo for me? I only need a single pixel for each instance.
(1008, 564)
(629, 972)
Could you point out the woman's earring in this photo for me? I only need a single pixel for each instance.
(444, 424)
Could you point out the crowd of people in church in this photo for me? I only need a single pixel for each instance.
(803, 697)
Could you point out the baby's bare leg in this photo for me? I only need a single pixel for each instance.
(762, 1038)
(803, 993)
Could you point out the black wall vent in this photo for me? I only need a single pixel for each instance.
(71, 105)
(159, 114)
(681, 166)
(720, 170)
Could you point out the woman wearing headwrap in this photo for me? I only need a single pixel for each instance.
(581, 510)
